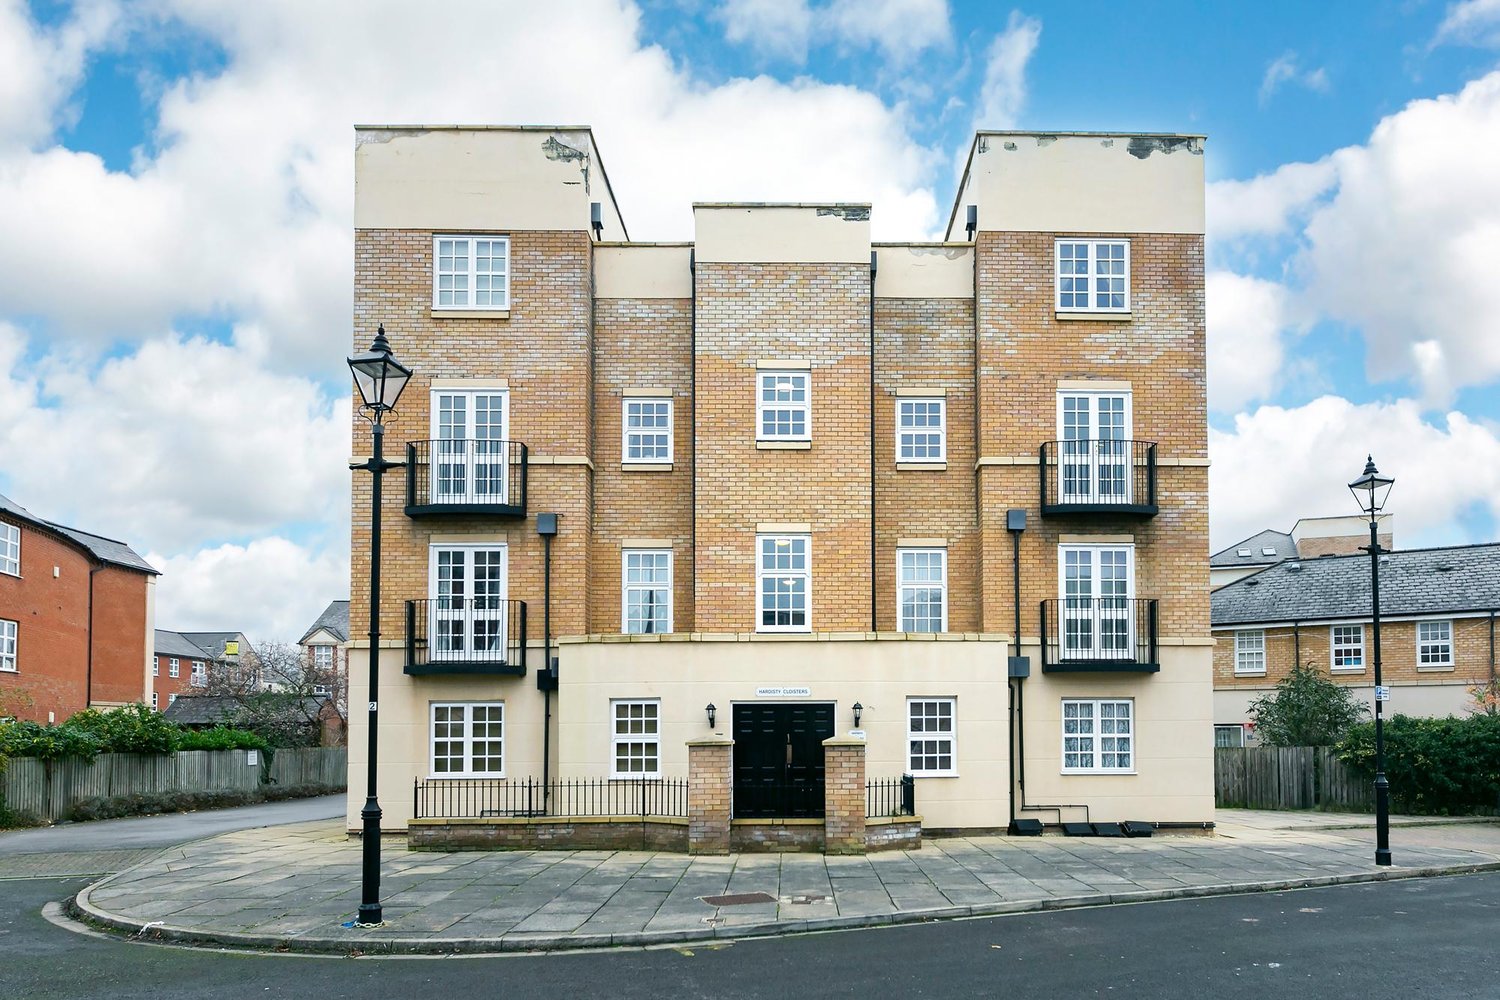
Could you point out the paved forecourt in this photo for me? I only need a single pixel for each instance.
(298, 887)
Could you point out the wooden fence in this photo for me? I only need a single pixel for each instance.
(50, 789)
(1288, 778)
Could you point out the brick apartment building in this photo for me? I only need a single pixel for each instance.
(76, 614)
(183, 661)
(785, 462)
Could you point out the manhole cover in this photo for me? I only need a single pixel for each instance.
(738, 899)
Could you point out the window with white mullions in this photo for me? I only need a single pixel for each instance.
(468, 739)
(1098, 613)
(1094, 447)
(783, 583)
(470, 462)
(471, 272)
(1250, 651)
(784, 406)
(1093, 275)
(922, 584)
(647, 588)
(1435, 644)
(648, 430)
(930, 737)
(9, 637)
(636, 744)
(1098, 736)
(10, 548)
(1348, 647)
(921, 430)
(467, 610)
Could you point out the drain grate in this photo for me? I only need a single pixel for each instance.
(738, 899)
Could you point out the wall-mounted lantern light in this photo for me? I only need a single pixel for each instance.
(858, 711)
(711, 712)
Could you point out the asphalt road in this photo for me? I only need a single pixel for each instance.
(164, 831)
(1417, 938)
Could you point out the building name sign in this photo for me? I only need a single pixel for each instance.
(783, 692)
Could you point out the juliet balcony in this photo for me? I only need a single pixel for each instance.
(1099, 635)
(1110, 477)
(465, 477)
(476, 635)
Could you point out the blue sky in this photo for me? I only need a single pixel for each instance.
(175, 267)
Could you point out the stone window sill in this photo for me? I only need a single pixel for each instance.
(1094, 317)
(784, 445)
(645, 466)
(921, 466)
(469, 313)
(1436, 668)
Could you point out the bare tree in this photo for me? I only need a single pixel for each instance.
(280, 693)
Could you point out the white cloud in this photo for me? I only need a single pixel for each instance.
(901, 29)
(271, 589)
(1471, 22)
(1285, 69)
(40, 67)
(1267, 205)
(775, 29)
(1004, 90)
(1279, 464)
(1247, 318)
(179, 443)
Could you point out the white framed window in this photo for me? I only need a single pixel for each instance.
(635, 743)
(171, 700)
(1098, 736)
(922, 590)
(930, 740)
(9, 639)
(646, 591)
(155, 666)
(200, 674)
(647, 424)
(468, 739)
(154, 699)
(1229, 736)
(783, 583)
(1094, 459)
(466, 616)
(470, 459)
(10, 548)
(1093, 275)
(921, 429)
(1348, 647)
(174, 668)
(1435, 644)
(322, 657)
(1250, 651)
(1097, 584)
(471, 272)
(784, 406)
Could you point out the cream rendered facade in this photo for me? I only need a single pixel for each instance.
(593, 320)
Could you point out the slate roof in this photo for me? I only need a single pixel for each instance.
(1458, 578)
(201, 709)
(106, 550)
(1281, 541)
(335, 618)
(177, 644)
(214, 642)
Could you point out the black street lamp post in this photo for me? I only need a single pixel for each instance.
(1371, 490)
(380, 379)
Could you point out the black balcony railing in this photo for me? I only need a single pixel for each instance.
(465, 477)
(476, 798)
(891, 797)
(1099, 634)
(476, 635)
(1098, 477)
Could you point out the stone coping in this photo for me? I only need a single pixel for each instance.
(631, 819)
(607, 637)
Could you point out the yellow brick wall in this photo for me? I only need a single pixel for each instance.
(1398, 655)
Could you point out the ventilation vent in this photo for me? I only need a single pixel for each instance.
(1252, 583)
(1244, 553)
(1294, 567)
(1445, 569)
(1268, 551)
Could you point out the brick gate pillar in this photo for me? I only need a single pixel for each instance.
(844, 795)
(710, 793)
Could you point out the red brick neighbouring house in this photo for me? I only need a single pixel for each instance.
(76, 617)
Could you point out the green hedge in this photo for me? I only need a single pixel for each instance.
(132, 729)
(173, 802)
(1435, 766)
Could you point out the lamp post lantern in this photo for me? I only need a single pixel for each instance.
(380, 379)
(1371, 490)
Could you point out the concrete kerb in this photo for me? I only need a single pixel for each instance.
(82, 908)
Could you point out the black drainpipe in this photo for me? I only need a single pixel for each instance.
(1296, 644)
(546, 679)
(1013, 682)
(1492, 647)
(874, 597)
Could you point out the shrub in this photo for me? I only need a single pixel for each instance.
(131, 729)
(1435, 766)
(169, 802)
(32, 739)
(1307, 710)
(221, 738)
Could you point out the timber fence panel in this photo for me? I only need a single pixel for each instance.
(24, 785)
(1288, 778)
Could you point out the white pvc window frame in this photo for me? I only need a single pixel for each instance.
(932, 737)
(10, 644)
(925, 441)
(635, 739)
(471, 271)
(1088, 575)
(10, 548)
(1250, 652)
(783, 405)
(466, 608)
(470, 462)
(1434, 644)
(646, 442)
(174, 667)
(1096, 734)
(1091, 275)
(646, 576)
(1346, 643)
(913, 580)
(785, 563)
(463, 733)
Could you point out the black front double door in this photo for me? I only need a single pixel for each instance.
(778, 759)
